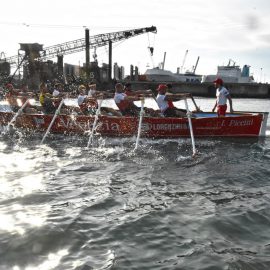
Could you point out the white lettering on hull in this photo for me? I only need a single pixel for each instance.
(167, 127)
(73, 124)
(240, 123)
(85, 126)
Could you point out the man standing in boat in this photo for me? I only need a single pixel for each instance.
(222, 95)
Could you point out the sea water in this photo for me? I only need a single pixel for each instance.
(64, 206)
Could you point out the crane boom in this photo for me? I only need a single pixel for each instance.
(194, 70)
(78, 45)
(184, 60)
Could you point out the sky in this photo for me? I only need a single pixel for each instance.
(214, 30)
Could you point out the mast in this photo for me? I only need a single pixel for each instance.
(164, 58)
(87, 53)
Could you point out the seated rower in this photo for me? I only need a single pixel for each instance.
(47, 100)
(11, 97)
(58, 95)
(89, 105)
(125, 102)
(166, 108)
(93, 93)
(16, 98)
(24, 95)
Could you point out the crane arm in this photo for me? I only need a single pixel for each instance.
(79, 44)
(194, 70)
(184, 60)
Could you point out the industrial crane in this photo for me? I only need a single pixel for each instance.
(195, 67)
(80, 44)
(184, 60)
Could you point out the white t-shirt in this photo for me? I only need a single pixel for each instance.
(162, 103)
(118, 97)
(81, 98)
(91, 92)
(55, 93)
(221, 95)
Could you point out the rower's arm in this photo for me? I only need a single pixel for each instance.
(176, 97)
(142, 92)
(214, 107)
(133, 98)
(230, 102)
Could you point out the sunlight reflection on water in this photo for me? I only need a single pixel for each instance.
(52, 261)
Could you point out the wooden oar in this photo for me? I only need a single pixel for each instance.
(197, 108)
(18, 113)
(95, 123)
(191, 129)
(140, 125)
(54, 117)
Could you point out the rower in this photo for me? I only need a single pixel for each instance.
(11, 97)
(58, 95)
(94, 94)
(47, 100)
(87, 104)
(163, 98)
(125, 102)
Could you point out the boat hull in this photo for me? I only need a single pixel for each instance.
(204, 125)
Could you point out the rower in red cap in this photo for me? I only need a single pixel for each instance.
(166, 107)
(222, 95)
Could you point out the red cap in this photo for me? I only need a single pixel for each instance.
(162, 87)
(9, 85)
(219, 81)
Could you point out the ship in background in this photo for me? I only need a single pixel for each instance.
(231, 73)
(239, 81)
(159, 74)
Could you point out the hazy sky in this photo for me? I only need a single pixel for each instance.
(215, 30)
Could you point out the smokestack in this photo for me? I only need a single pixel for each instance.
(87, 53)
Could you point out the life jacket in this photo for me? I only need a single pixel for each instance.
(170, 103)
(124, 104)
(89, 105)
(56, 103)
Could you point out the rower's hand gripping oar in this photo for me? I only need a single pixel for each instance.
(90, 141)
(54, 117)
(194, 151)
(18, 113)
(140, 124)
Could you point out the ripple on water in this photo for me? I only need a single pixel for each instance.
(63, 206)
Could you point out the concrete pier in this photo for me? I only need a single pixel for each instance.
(208, 90)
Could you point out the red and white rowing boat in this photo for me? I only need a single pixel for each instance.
(205, 124)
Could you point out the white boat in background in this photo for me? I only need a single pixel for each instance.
(231, 74)
(161, 75)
